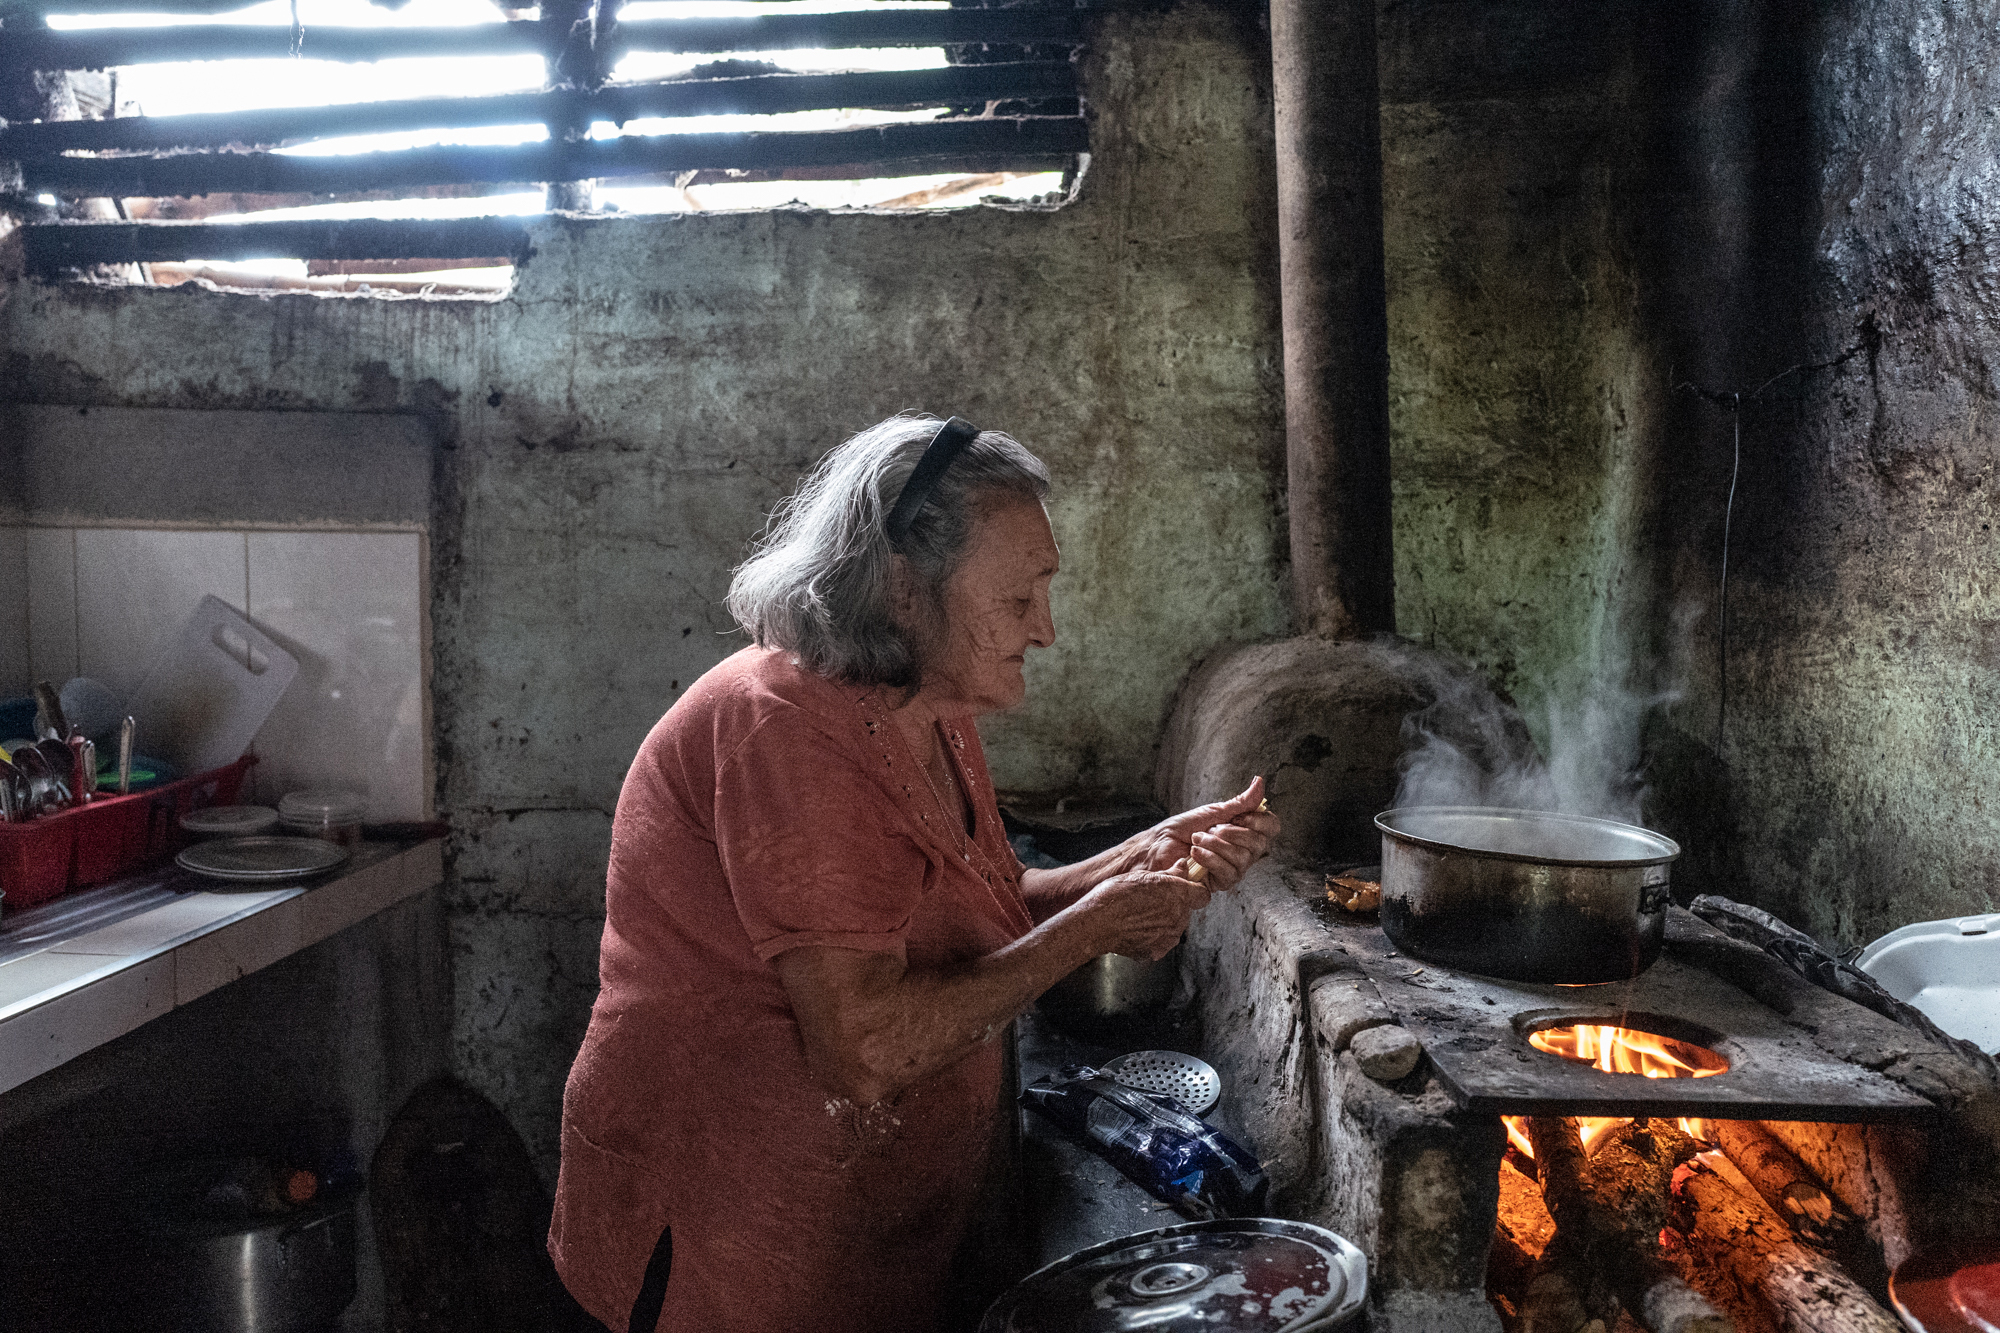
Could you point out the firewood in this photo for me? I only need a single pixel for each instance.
(1738, 1232)
(1555, 1304)
(1620, 1249)
(1784, 1184)
(1631, 1174)
(1522, 1229)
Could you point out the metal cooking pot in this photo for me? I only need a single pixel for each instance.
(1112, 986)
(1230, 1275)
(1523, 894)
(167, 1266)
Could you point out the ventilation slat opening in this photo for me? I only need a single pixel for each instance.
(203, 147)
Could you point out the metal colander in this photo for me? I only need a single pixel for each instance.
(1191, 1082)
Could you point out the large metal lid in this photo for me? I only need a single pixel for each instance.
(1241, 1275)
(1528, 835)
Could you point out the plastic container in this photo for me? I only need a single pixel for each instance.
(1949, 969)
(230, 821)
(324, 812)
(111, 835)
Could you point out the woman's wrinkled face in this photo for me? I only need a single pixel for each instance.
(996, 608)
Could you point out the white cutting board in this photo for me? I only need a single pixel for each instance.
(210, 690)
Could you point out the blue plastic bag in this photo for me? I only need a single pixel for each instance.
(1176, 1157)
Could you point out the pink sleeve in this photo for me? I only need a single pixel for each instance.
(813, 849)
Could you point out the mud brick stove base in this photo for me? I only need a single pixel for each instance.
(1904, 1133)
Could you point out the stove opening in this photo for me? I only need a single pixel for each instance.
(1618, 1050)
(1621, 1050)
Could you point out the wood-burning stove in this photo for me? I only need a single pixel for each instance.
(1904, 1131)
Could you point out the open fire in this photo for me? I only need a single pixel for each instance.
(1618, 1050)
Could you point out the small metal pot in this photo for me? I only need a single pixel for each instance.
(1524, 895)
(1113, 986)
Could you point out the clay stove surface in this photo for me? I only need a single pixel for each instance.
(1475, 1030)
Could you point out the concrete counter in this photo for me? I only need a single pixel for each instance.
(94, 966)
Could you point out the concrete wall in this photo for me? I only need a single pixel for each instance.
(611, 433)
(1593, 206)
(1588, 206)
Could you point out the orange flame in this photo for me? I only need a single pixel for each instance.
(1617, 1050)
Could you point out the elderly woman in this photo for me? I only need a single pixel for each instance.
(815, 931)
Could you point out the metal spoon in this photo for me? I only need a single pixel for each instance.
(62, 763)
(126, 731)
(35, 777)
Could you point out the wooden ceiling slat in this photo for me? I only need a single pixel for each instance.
(956, 85)
(1000, 144)
(101, 48)
(51, 247)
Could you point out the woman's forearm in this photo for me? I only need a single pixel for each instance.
(873, 1025)
(1049, 891)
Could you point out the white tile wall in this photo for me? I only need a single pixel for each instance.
(13, 612)
(135, 588)
(51, 604)
(346, 605)
(350, 606)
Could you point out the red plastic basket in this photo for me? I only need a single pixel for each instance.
(89, 844)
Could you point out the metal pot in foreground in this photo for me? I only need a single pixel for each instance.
(1524, 895)
(1242, 1275)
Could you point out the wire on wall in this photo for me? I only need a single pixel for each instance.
(1733, 399)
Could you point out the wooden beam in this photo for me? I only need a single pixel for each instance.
(956, 85)
(1028, 143)
(101, 48)
(52, 247)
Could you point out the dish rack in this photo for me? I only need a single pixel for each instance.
(99, 841)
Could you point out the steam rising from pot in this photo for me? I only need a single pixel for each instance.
(1470, 747)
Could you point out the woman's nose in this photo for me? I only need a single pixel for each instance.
(1043, 632)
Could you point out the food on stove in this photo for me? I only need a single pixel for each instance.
(1353, 895)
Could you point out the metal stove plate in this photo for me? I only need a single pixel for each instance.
(1475, 1031)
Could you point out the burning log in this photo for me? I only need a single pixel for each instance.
(1522, 1230)
(1618, 1238)
(1739, 1234)
(1556, 1304)
(1784, 1184)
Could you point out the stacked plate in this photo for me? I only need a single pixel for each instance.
(262, 859)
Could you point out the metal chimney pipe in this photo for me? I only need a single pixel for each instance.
(1335, 308)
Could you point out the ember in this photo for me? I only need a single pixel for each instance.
(1618, 1050)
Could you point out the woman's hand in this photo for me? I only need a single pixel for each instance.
(1226, 838)
(1142, 913)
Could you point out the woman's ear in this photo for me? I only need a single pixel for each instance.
(902, 589)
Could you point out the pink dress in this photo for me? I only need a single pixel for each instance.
(770, 809)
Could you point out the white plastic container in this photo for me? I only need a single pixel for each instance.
(324, 812)
(1950, 970)
(230, 821)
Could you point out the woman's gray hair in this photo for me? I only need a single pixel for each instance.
(818, 584)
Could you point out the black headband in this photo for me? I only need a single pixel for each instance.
(946, 445)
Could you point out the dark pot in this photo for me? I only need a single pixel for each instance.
(1524, 895)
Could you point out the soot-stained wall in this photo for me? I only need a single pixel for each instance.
(613, 431)
(1602, 219)
(1618, 232)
